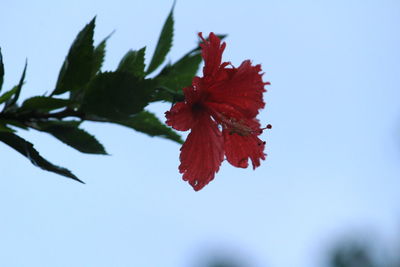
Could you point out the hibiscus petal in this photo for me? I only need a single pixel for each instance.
(238, 149)
(243, 89)
(202, 153)
(212, 50)
(180, 117)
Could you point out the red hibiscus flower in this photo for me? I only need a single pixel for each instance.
(220, 109)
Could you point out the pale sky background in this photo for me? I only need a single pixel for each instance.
(333, 154)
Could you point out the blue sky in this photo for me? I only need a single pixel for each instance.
(333, 153)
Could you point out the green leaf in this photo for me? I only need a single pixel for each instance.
(98, 59)
(15, 123)
(27, 149)
(7, 95)
(11, 101)
(77, 69)
(164, 43)
(99, 53)
(180, 74)
(1, 70)
(4, 128)
(116, 95)
(149, 124)
(43, 103)
(133, 62)
(69, 133)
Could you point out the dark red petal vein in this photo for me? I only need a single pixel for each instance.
(202, 153)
